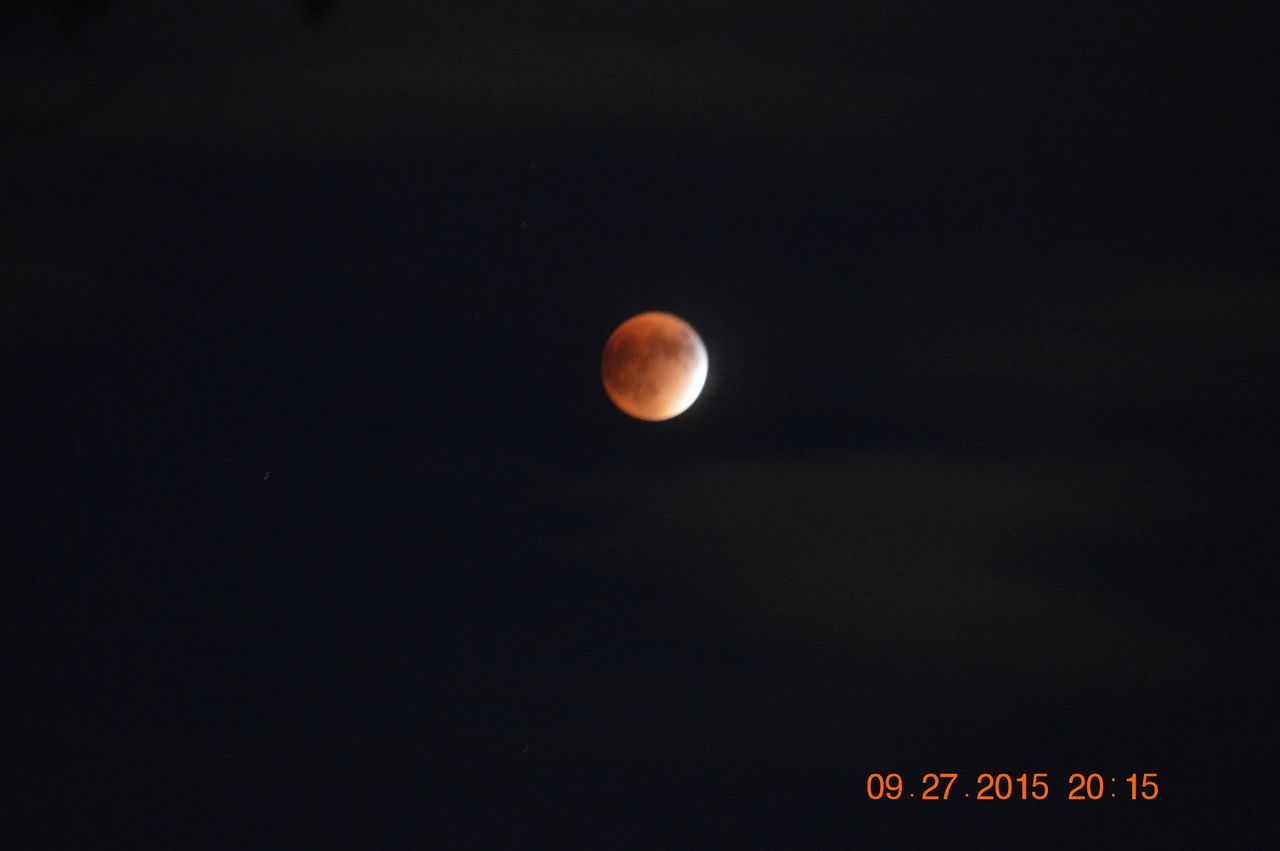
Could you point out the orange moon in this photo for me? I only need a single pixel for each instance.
(654, 366)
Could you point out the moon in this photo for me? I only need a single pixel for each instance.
(654, 366)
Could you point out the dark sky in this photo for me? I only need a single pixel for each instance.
(325, 533)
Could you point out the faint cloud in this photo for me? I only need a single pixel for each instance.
(897, 556)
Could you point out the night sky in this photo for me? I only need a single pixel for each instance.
(323, 532)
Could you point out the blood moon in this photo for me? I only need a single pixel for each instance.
(654, 366)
